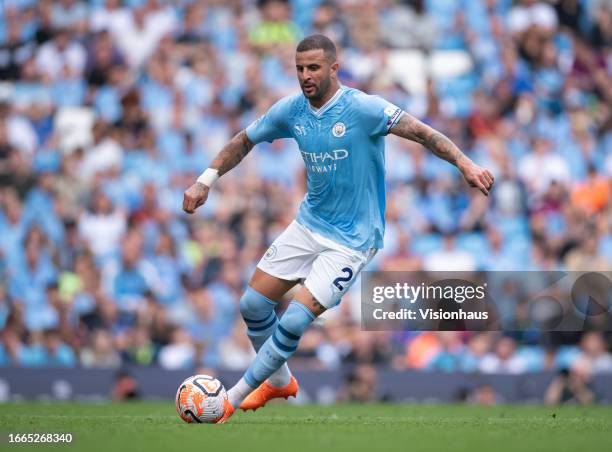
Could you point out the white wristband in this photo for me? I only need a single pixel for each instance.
(208, 177)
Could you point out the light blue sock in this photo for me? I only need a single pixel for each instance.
(281, 345)
(258, 313)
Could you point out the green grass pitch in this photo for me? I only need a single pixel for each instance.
(155, 427)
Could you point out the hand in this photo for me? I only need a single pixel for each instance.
(194, 197)
(476, 176)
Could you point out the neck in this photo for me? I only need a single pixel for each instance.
(318, 103)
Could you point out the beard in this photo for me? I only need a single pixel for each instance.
(319, 90)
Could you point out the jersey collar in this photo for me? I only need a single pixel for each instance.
(330, 103)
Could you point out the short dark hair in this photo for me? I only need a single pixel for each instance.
(315, 42)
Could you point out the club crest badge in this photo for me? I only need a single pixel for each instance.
(270, 253)
(339, 129)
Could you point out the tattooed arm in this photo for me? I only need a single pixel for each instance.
(412, 129)
(232, 153)
(230, 156)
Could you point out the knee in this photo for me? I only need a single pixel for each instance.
(255, 306)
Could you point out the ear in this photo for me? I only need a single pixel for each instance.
(334, 68)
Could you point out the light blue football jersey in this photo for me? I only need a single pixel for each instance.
(343, 147)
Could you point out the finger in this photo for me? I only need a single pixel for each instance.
(489, 177)
(188, 205)
(485, 181)
(482, 188)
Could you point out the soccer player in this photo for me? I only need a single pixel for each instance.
(340, 225)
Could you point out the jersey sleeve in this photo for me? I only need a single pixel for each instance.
(378, 115)
(272, 125)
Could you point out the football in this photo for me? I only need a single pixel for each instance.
(200, 399)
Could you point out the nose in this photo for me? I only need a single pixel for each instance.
(306, 74)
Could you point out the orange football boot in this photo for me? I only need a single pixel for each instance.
(266, 392)
(228, 410)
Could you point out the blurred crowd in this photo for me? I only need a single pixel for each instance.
(99, 266)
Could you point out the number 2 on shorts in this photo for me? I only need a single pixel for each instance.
(341, 279)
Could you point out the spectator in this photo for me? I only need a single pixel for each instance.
(102, 58)
(593, 194)
(484, 395)
(169, 268)
(103, 226)
(477, 347)
(449, 356)
(101, 353)
(531, 13)
(110, 16)
(275, 27)
(180, 353)
(586, 256)
(360, 385)
(17, 131)
(139, 349)
(70, 14)
(105, 153)
(142, 31)
(571, 386)
(594, 353)
(14, 53)
(131, 278)
(61, 55)
(408, 25)
(543, 167)
(4, 306)
(450, 257)
(504, 360)
(328, 21)
(125, 387)
(235, 350)
(57, 353)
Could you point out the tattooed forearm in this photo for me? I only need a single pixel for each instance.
(232, 153)
(412, 129)
(444, 148)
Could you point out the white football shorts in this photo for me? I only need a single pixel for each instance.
(326, 268)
